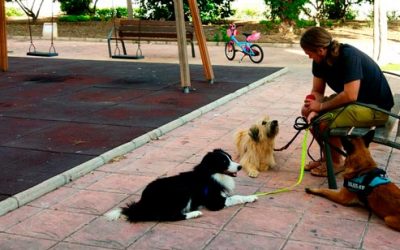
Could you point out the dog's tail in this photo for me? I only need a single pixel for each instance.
(133, 212)
(114, 214)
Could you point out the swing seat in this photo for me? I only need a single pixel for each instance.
(42, 53)
(126, 57)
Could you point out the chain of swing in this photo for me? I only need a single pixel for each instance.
(32, 48)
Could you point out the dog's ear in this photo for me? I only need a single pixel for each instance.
(254, 133)
(367, 138)
(205, 162)
(347, 145)
(221, 151)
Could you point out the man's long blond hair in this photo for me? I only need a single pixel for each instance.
(317, 37)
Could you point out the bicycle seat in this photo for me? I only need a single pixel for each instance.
(246, 34)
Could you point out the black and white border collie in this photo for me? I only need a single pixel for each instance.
(179, 197)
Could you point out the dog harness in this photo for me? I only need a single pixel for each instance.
(364, 184)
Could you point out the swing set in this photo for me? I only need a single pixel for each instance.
(137, 30)
(181, 40)
(32, 48)
(117, 37)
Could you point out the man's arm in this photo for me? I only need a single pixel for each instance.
(348, 95)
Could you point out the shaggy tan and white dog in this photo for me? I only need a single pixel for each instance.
(256, 146)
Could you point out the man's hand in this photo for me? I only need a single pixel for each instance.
(311, 115)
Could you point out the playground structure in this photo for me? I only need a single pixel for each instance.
(3, 38)
(181, 40)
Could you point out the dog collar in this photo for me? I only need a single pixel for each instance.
(363, 184)
(205, 191)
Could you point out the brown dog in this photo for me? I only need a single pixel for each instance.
(256, 146)
(365, 184)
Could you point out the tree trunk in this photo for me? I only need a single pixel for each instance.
(129, 7)
(286, 27)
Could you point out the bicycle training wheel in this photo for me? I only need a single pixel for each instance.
(230, 51)
(257, 54)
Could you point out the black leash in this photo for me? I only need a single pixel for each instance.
(299, 124)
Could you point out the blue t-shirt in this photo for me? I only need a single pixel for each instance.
(351, 65)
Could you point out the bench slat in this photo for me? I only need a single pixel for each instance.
(380, 135)
(149, 30)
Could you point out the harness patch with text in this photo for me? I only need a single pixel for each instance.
(364, 184)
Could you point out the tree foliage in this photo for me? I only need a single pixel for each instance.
(287, 11)
(32, 11)
(338, 9)
(78, 7)
(210, 10)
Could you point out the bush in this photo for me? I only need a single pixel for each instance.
(75, 18)
(104, 14)
(13, 12)
(220, 35)
(108, 13)
(100, 15)
(304, 23)
(393, 16)
(224, 35)
(327, 23)
(269, 25)
(121, 12)
(350, 15)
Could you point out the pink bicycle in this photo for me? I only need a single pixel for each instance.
(254, 51)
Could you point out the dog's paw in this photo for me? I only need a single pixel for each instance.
(193, 214)
(253, 173)
(250, 198)
(309, 191)
(274, 165)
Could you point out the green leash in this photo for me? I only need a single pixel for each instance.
(326, 116)
(301, 175)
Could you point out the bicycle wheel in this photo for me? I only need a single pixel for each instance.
(230, 51)
(256, 54)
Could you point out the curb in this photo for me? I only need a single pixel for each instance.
(66, 177)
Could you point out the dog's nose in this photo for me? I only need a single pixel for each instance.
(239, 167)
(274, 124)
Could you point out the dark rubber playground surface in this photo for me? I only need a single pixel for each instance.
(58, 113)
